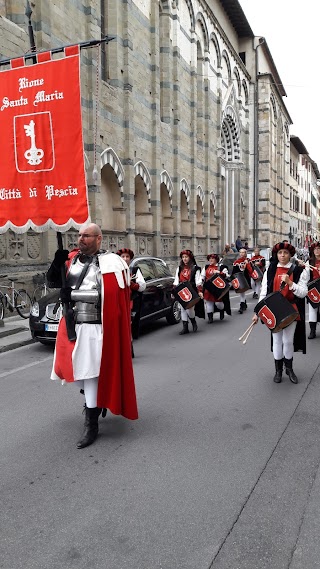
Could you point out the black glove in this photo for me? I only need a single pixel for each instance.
(65, 294)
(60, 257)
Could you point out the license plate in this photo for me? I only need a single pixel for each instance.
(51, 327)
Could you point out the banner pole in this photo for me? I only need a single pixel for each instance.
(83, 45)
(33, 49)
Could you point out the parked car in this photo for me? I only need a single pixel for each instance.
(154, 303)
(44, 318)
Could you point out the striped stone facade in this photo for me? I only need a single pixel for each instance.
(169, 124)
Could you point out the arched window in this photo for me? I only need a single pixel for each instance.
(199, 212)
(166, 190)
(112, 176)
(142, 185)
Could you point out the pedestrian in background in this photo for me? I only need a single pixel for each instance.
(239, 243)
(227, 250)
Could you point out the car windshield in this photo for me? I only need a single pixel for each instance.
(147, 270)
(162, 269)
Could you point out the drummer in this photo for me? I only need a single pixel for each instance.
(295, 279)
(257, 260)
(211, 302)
(137, 284)
(314, 313)
(242, 264)
(188, 270)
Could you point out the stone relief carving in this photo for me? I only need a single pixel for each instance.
(34, 246)
(144, 245)
(167, 246)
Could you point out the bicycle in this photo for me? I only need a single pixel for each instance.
(41, 289)
(13, 299)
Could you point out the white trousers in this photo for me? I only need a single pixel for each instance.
(242, 296)
(187, 312)
(283, 343)
(313, 314)
(256, 286)
(210, 305)
(90, 387)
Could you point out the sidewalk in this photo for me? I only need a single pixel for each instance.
(14, 333)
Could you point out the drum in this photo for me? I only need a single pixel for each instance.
(257, 274)
(239, 282)
(314, 293)
(217, 285)
(276, 311)
(186, 295)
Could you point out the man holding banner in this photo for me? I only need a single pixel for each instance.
(99, 359)
(43, 186)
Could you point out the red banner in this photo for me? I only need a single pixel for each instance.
(42, 177)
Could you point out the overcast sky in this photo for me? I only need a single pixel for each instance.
(291, 30)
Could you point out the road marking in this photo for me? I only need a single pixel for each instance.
(4, 374)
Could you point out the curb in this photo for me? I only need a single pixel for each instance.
(15, 345)
(16, 330)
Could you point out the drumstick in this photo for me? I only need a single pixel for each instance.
(247, 336)
(307, 264)
(247, 330)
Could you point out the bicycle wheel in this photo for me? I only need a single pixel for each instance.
(1, 308)
(23, 303)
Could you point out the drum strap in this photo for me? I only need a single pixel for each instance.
(272, 272)
(194, 269)
(290, 271)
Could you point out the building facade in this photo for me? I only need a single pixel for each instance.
(304, 195)
(185, 131)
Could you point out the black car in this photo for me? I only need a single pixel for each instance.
(154, 303)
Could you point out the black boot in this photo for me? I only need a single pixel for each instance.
(289, 371)
(221, 314)
(185, 329)
(313, 326)
(245, 305)
(242, 308)
(210, 317)
(194, 324)
(132, 350)
(279, 367)
(91, 428)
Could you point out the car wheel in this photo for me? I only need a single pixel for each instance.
(174, 315)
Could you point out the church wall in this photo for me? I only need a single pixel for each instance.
(155, 107)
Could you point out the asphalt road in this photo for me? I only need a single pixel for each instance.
(221, 470)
